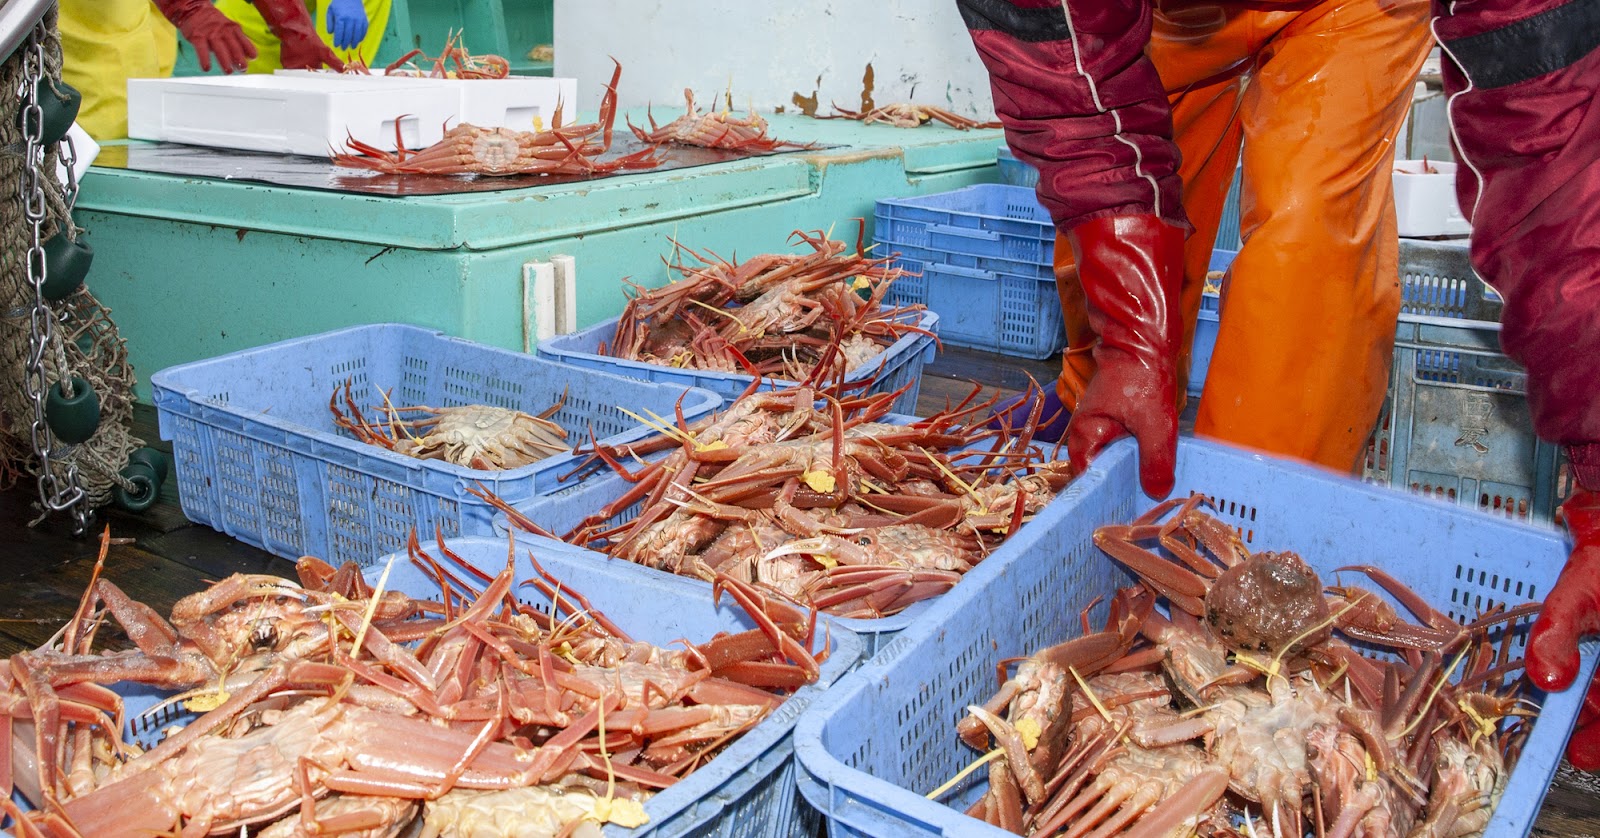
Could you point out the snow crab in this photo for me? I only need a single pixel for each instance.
(713, 129)
(906, 115)
(824, 505)
(361, 707)
(472, 150)
(807, 318)
(473, 436)
(1214, 722)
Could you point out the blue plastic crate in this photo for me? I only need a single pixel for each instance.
(562, 512)
(1437, 280)
(984, 256)
(1206, 325)
(885, 735)
(1014, 172)
(900, 365)
(258, 457)
(1015, 314)
(747, 791)
(917, 256)
(990, 219)
(1455, 425)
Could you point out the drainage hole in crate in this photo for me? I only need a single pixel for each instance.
(1509, 506)
(1021, 210)
(859, 755)
(354, 368)
(1235, 509)
(1431, 491)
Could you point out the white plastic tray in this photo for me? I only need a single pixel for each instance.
(522, 104)
(1425, 204)
(291, 114)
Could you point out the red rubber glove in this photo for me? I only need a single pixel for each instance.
(210, 32)
(300, 46)
(1572, 610)
(1131, 267)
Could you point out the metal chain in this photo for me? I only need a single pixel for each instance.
(69, 162)
(65, 491)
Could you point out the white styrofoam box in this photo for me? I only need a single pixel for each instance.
(292, 114)
(85, 150)
(1425, 202)
(514, 103)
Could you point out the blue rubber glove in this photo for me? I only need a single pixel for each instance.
(347, 23)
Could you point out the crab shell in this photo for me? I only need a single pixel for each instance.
(1268, 603)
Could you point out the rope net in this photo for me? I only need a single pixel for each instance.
(84, 341)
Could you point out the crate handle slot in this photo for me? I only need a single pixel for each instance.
(957, 270)
(964, 232)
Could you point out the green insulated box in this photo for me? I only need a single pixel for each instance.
(194, 267)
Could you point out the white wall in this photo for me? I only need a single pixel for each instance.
(771, 50)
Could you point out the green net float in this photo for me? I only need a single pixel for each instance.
(57, 112)
(154, 458)
(66, 263)
(85, 344)
(146, 488)
(72, 419)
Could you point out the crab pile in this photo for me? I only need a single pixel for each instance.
(470, 150)
(714, 129)
(476, 436)
(827, 507)
(811, 317)
(1257, 708)
(907, 115)
(453, 62)
(328, 707)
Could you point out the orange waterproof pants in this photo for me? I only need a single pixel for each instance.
(1316, 97)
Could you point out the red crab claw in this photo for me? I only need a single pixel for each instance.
(761, 610)
(1185, 588)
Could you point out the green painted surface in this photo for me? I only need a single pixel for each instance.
(194, 268)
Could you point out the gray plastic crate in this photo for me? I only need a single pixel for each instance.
(1455, 424)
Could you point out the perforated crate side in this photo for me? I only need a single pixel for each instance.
(911, 288)
(885, 735)
(1012, 223)
(901, 362)
(277, 473)
(993, 311)
(1437, 280)
(1457, 428)
(191, 449)
(1042, 269)
(1030, 317)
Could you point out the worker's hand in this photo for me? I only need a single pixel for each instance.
(1131, 268)
(211, 33)
(301, 48)
(347, 23)
(1583, 749)
(1572, 610)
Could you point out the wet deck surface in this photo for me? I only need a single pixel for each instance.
(168, 557)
